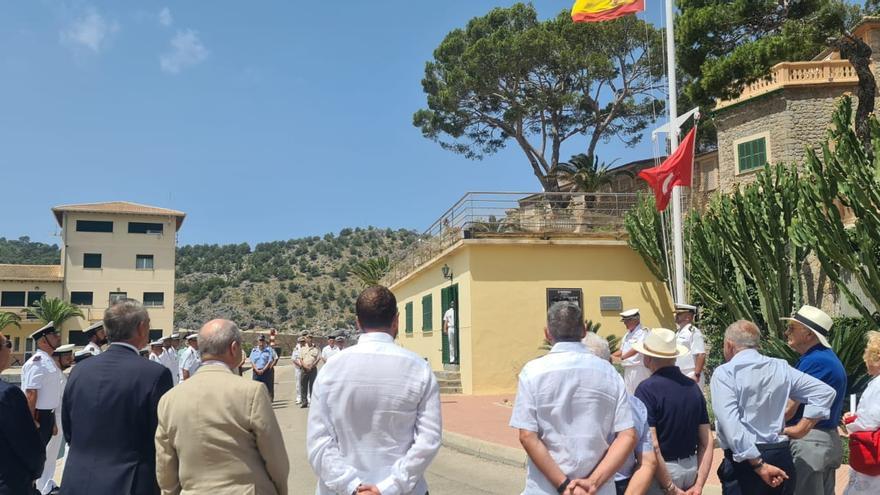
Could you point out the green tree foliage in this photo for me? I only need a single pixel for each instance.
(583, 173)
(370, 272)
(844, 176)
(645, 231)
(507, 77)
(25, 252)
(53, 309)
(8, 319)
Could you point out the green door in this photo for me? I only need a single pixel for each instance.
(448, 295)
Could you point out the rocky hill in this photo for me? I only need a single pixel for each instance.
(299, 284)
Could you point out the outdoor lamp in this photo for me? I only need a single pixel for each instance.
(447, 272)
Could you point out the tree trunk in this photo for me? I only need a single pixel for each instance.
(859, 55)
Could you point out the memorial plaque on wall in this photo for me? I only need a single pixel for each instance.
(570, 295)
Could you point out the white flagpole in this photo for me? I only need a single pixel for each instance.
(677, 240)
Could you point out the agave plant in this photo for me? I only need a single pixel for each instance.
(9, 319)
(371, 271)
(53, 309)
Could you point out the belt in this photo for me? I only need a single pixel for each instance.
(52, 411)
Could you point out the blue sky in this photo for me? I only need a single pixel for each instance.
(262, 120)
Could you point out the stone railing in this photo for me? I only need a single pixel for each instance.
(795, 74)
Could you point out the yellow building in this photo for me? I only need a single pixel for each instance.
(109, 251)
(504, 259)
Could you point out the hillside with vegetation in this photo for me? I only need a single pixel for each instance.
(294, 285)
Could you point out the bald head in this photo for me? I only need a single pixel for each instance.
(739, 336)
(220, 340)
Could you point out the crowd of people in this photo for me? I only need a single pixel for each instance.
(185, 421)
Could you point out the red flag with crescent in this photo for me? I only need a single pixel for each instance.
(677, 170)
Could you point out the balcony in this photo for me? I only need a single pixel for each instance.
(492, 215)
(797, 74)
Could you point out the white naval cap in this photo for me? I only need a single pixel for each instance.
(157, 342)
(174, 336)
(630, 313)
(94, 327)
(49, 328)
(63, 349)
(192, 336)
(685, 308)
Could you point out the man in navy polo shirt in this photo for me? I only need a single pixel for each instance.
(677, 416)
(817, 451)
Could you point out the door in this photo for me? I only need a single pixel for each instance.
(447, 296)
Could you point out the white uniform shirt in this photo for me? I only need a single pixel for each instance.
(327, 352)
(575, 402)
(692, 338)
(93, 348)
(157, 358)
(191, 361)
(449, 318)
(374, 418)
(749, 396)
(40, 373)
(170, 361)
(637, 334)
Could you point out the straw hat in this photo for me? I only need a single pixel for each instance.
(816, 320)
(661, 343)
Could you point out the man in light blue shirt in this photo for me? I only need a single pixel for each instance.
(262, 359)
(749, 396)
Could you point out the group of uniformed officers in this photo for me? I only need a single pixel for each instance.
(43, 380)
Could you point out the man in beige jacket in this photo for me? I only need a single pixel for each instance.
(217, 431)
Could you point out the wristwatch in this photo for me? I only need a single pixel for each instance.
(758, 464)
(561, 488)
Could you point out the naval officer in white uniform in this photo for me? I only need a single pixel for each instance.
(97, 337)
(634, 370)
(41, 381)
(691, 337)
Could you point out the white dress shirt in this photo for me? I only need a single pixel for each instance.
(749, 396)
(374, 419)
(637, 334)
(40, 373)
(575, 402)
(170, 360)
(867, 419)
(93, 348)
(328, 351)
(191, 361)
(692, 338)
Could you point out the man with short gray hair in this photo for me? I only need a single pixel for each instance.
(749, 396)
(109, 411)
(213, 409)
(568, 405)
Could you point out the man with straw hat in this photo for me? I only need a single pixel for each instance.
(634, 370)
(691, 337)
(679, 426)
(817, 451)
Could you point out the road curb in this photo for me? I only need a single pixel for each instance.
(484, 450)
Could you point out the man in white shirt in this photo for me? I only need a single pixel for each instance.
(97, 337)
(374, 426)
(691, 365)
(169, 358)
(300, 342)
(156, 349)
(330, 349)
(191, 360)
(449, 329)
(634, 370)
(569, 403)
(41, 381)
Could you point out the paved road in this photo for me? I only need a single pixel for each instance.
(451, 473)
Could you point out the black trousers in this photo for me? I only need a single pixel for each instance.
(306, 382)
(268, 379)
(621, 486)
(738, 478)
(47, 422)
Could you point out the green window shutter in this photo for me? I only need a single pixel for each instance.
(427, 313)
(752, 154)
(409, 317)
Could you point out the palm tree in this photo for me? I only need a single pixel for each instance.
(7, 319)
(53, 309)
(584, 173)
(371, 271)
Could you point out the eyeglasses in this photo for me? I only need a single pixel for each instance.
(8, 345)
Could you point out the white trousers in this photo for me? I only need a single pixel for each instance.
(633, 376)
(45, 484)
(298, 386)
(451, 334)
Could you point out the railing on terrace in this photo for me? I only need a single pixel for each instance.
(791, 74)
(481, 215)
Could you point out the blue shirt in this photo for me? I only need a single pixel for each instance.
(676, 409)
(749, 396)
(261, 358)
(644, 442)
(821, 362)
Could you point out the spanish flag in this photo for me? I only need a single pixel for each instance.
(604, 10)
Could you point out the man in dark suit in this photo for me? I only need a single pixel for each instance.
(109, 411)
(21, 451)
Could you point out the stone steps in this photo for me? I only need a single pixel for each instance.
(449, 379)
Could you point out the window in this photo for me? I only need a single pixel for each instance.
(92, 260)
(154, 299)
(427, 313)
(751, 154)
(29, 345)
(155, 334)
(93, 226)
(76, 337)
(115, 296)
(34, 296)
(81, 298)
(144, 262)
(12, 298)
(145, 228)
(16, 346)
(408, 311)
